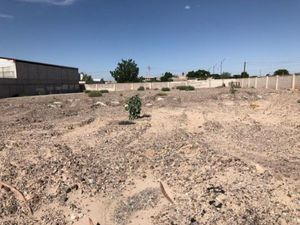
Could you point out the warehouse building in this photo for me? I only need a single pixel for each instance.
(20, 78)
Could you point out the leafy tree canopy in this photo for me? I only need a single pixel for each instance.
(225, 75)
(166, 77)
(199, 74)
(216, 76)
(126, 71)
(244, 75)
(281, 72)
(87, 78)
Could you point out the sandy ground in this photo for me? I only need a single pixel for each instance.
(221, 159)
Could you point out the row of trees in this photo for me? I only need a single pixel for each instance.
(203, 75)
(128, 71)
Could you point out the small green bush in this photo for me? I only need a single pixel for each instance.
(141, 88)
(232, 89)
(165, 89)
(161, 94)
(87, 91)
(134, 107)
(185, 88)
(104, 91)
(94, 94)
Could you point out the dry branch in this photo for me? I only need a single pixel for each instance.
(163, 190)
(19, 195)
(91, 221)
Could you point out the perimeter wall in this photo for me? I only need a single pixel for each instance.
(271, 82)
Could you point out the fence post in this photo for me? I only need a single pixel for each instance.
(249, 82)
(168, 84)
(277, 82)
(115, 87)
(132, 86)
(186, 83)
(267, 82)
(209, 82)
(293, 81)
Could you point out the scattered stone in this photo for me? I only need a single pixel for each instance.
(145, 199)
(115, 103)
(99, 104)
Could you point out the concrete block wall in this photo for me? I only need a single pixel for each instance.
(272, 82)
(297, 82)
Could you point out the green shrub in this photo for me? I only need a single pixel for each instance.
(165, 89)
(104, 91)
(161, 94)
(134, 107)
(185, 88)
(232, 89)
(141, 88)
(87, 91)
(235, 84)
(94, 94)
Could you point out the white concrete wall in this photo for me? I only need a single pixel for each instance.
(159, 85)
(273, 82)
(8, 69)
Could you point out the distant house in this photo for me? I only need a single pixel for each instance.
(151, 79)
(20, 77)
(180, 78)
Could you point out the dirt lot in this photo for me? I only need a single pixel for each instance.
(221, 158)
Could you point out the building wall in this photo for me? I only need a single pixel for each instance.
(7, 69)
(34, 79)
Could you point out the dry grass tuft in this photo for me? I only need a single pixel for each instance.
(19, 195)
(163, 190)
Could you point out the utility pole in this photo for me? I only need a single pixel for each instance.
(149, 71)
(214, 68)
(245, 65)
(221, 66)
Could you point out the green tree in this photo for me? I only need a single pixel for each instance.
(191, 74)
(87, 78)
(281, 72)
(166, 77)
(244, 75)
(225, 75)
(199, 74)
(102, 81)
(126, 71)
(216, 76)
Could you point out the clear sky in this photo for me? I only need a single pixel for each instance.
(168, 35)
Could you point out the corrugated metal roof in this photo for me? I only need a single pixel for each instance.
(38, 63)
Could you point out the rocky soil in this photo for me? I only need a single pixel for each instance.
(220, 158)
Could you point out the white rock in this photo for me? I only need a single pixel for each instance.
(100, 104)
(115, 103)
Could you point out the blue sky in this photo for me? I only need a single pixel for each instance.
(168, 35)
